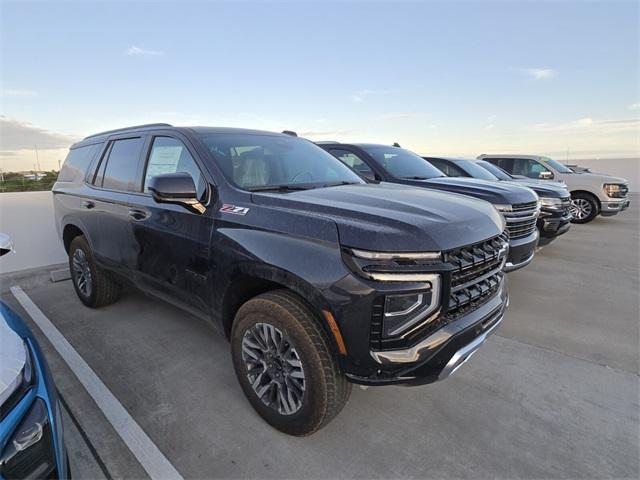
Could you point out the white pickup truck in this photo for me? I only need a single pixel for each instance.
(591, 193)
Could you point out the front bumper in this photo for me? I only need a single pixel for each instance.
(443, 352)
(552, 225)
(521, 252)
(613, 206)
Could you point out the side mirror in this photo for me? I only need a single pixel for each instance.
(370, 177)
(177, 188)
(6, 245)
(547, 175)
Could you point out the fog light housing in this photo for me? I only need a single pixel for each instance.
(404, 312)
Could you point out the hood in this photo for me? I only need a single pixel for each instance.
(543, 189)
(493, 192)
(13, 357)
(394, 218)
(603, 177)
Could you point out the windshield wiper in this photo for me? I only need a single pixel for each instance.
(278, 188)
(415, 177)
(336, 184)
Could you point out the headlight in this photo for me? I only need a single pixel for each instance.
(550, 202)
(402, 312)
(29, 452)
(503, 208)
(614, 190)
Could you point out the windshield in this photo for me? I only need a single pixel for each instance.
(259, 162)
(401, 163)
(495, 171)
(557, 165)
(475, 170)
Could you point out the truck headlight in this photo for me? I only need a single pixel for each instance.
(551, 203)
(614, 190)
(405, 311)
(29, 452)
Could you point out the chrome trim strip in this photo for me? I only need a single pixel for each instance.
(401, 277)
(400, 255)
(465, 353)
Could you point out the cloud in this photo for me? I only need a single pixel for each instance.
(14, 93)
(540, 73)
(491, 126)
(634, 106)
(134, 51)
(18, 135)
(361, 95)
(399, 116)
(588, 124)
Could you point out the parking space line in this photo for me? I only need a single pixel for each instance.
(142, 447)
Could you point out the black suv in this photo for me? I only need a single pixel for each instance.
(317, 278)
(555, 200)
(382, 163)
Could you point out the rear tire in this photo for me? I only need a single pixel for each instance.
(93, 287)
(299, 390)
(584, 207)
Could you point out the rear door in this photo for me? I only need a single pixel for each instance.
(173, 243)
(115, 188)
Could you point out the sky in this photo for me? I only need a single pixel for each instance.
(441, 78)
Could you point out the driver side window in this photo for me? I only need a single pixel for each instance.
(170, 155)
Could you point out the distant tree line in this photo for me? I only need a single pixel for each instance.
(19, 182)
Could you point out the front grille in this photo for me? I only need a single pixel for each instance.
(478, 272)
(566, 205)
(521, 220)
(475, 274)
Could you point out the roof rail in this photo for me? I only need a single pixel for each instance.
(135, 127)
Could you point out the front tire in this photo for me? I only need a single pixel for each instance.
(584, 207)
(93, 287)
(285, 365)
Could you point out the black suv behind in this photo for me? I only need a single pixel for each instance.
(317, 278)
(382, 163)
(555, 201)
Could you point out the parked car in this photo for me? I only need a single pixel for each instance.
(31, 435)
(591, 193)
(382, 163)
(318, 279)
(555, 201)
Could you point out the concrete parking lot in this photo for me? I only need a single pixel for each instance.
(554, 394)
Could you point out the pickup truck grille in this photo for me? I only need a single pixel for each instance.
(478, 272)
(475, 275)
(566, 205)
(521, 220)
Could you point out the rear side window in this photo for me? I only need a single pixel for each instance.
(77, 163)
(504, 163)
(121, 169)
(449, 169)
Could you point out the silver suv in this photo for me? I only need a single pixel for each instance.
(591, 193)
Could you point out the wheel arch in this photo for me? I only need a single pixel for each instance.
(248, 282)
(590, 194)
(69, 232)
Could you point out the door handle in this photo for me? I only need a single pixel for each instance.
(87, 204)
(138, 214)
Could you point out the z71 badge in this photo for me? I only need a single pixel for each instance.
(227, 208)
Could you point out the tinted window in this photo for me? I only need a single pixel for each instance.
(496, 171)
(401, 163)
(475, 170)
(528, 168)
(448, 168)
(170, 155)
(254, 161)
(77, 163)
(353, 161)
(504, 163)
(121, 169)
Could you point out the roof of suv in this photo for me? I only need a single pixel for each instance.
(156, 126)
